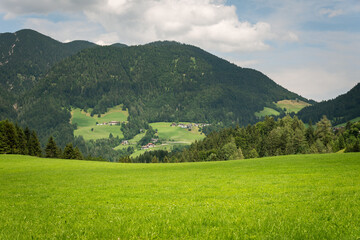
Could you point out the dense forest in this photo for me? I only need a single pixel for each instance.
(25, 57)
(266, 138)
(339, 110)
(16, 140)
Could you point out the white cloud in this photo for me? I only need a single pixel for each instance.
(313, 83)
(209, 24)
(331, 12)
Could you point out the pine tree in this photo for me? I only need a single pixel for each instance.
(34, 145)
(154, 160)
(51, 150)
(69, 152)
(77, 154)
(21, 141)
(166, 159)
(9, 137)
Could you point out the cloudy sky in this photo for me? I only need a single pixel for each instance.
(309, 47)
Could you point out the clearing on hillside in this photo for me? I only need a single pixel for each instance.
(292, 105)
(267, 112)
(95, 127)
(288, 197)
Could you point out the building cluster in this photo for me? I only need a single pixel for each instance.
(111, 123)
(189, 125)
(147, 146)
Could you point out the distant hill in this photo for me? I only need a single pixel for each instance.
(162, 81)
(42, 78)
(341, 109)
(25, 56)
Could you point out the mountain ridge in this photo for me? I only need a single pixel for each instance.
(159, 81)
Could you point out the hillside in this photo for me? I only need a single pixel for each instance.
(157, 82)
(26, 56)
(290, 197)
(339, 110)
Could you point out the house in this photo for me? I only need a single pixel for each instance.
(173, 125)
(147, 146)
(125, 142)
(111, 123)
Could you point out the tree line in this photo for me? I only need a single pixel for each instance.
(16, 140)
(285, 136)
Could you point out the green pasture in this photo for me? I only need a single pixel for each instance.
(166, 147)
(288, 197)
(267, 112)
(177, 134)
(86, 125)
(292, 105)
(99, 132)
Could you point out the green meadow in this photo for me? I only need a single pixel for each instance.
(292, 105)
(288, 197)
(86, 125)
(177, 134)
(267, 112)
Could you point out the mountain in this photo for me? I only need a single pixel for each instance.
(341, 109)
(162, 81)
(42, 79)
(25, 56)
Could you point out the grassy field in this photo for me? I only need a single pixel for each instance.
(267, 112)
(292, 105)
(171, 137)
(87, 125)
(176, 133)
(289, 197)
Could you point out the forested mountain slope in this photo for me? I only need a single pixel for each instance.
(341, 109)
(25, 56)
(161, 81)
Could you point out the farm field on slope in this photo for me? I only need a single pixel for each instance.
(289, 197)
(86, 125)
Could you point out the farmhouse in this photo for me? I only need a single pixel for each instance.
(125, 142)
(147, 146)
(111, 123)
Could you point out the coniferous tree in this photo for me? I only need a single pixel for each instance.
(21, 140)
(77, 154)
(51, 150)
(34, 145)
(69, 152)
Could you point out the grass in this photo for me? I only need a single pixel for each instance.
(267, 112)
(177, 134)
(289, 197)
(171, 136)
(292, 105)
(86, 123)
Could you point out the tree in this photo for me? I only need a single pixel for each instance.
(51, 150)
(77, 154)
(154, 160)
(69, 152)
(21, 140)
(253, 153)
(166, 159)
(34, 145)
(324, 131)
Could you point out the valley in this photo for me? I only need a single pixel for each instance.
(102, 125)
